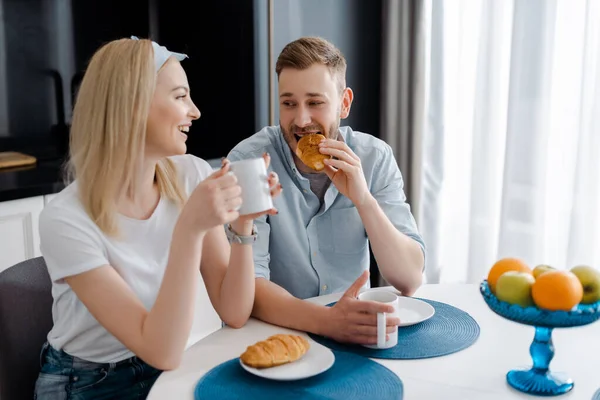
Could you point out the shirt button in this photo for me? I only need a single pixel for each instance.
(324, 287)
(315, 253)
(304, 190)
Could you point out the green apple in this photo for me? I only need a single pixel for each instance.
(540, 269)
(515, 288)
(590, 280)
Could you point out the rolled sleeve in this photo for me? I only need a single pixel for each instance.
(388, 190)
(260, 249)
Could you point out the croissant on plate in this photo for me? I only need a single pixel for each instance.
(275, 350)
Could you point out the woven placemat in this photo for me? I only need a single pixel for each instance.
(350, 378)
(448, 331)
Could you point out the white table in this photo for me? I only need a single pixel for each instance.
(478, 372)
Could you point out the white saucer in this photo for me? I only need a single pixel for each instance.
(412, 311)
(317, 359)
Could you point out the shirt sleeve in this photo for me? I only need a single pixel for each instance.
(388, 190)
(260, 248)
(69, 245)
(202, 168)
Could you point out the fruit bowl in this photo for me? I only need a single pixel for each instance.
(539, 380)
(582, 314)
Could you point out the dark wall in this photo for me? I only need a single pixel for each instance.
(366, 67)
(28, 86)
(219, 41)
(97, 22)
(45, 45)
(217, 36)
(367, 82)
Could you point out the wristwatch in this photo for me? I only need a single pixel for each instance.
(241, 239)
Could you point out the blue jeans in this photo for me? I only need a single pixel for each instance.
(64, 377)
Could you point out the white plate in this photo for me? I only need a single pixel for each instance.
(411, 311)
(317, 359)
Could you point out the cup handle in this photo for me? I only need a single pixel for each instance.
(381, 328)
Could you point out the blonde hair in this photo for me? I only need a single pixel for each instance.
(108, 131)
(304, 52)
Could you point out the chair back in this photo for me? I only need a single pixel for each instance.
(25, 320)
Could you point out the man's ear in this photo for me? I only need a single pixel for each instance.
(347, 97)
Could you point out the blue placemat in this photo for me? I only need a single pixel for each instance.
(596, 395)
(351, 377)
(448, 331)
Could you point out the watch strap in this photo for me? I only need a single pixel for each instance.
(234, 237)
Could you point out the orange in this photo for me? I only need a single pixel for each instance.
(557, 290)
(504, 265)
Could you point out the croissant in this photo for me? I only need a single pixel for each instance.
(308, 151)
(276, 350)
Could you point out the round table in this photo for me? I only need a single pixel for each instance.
(478, 372)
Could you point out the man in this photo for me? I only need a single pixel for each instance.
(317, 244)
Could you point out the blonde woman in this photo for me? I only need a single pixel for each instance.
(126, 241)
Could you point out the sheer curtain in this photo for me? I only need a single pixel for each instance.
(511, 145)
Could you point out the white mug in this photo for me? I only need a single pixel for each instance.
(389, 298)
(252, 177)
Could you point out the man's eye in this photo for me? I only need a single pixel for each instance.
(315, 103)
(288, 104)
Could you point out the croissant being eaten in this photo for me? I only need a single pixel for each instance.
(308, 151)
(275, 350)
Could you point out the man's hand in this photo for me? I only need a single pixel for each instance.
(346, 171)
(355, 321)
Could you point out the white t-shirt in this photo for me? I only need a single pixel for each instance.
(71, 243)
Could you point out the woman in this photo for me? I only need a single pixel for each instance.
(126, 241)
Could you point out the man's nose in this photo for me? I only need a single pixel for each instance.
(302, 117)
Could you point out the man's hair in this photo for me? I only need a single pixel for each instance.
(304, 52)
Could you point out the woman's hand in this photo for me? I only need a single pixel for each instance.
(213, 202)
(275, 189)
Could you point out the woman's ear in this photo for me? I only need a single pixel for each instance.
(347, 97)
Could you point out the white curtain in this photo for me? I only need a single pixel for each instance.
(511, 145)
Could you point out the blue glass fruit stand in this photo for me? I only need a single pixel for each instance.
(539, 380)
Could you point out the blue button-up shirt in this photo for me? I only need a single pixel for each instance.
(312, 249)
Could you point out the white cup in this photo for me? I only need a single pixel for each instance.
(252, 177)
(384, 297)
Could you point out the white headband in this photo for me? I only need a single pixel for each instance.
(161, 54)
